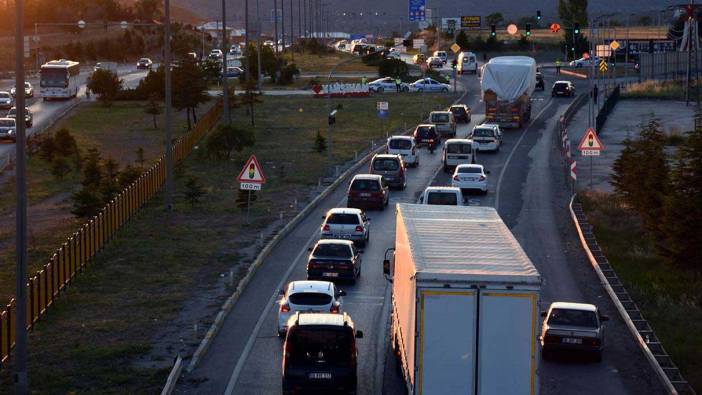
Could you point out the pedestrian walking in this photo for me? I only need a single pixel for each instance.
(364, 80)
(398, 83)
(558, 66)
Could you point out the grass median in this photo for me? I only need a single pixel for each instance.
(155, 288)
(670, 299)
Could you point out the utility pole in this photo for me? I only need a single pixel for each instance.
(292, 31)
(282, 22)
(20, 376)
(225, 83)
(259, 80)
(275, 24)
(246, 40)
(299, 19)
(168, 195)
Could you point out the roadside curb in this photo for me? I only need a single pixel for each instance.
(173, 376)
(205, 344)
(658, 358)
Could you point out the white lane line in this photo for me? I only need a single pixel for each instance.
(511, 153)
(254, 334)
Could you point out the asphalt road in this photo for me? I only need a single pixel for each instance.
(526, 184)
(47, 112)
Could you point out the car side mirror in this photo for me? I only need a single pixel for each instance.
(324, 217)
(359, 334)
(604, 318)
(386, 266)
(487, 171)
(421, 199)
(341, 292)
(544, 313)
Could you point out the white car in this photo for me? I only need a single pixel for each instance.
(497, 128)
(487, 137)
(446, 196)
(405, 147)
(309, 297)
(28, 90)
(216, 54)
(458, 152)
(429, 85)
(387, 84)
(346, 223)
(585, 61)
(435, 62)
(441, 55)
(573, 328)
(470, 177)
(5, 100)
(393, 55)
(8, 129)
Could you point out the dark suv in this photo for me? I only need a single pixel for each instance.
(563, 88)
(461, 113)
(368, 190)
(320, 354)
(426, 134)
(391, 167)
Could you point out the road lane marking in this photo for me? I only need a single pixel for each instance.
(511, 153)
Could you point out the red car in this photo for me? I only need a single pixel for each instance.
(368, 190)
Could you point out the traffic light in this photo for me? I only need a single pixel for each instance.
(538, 15)
(528, 29)
(493, 31)
(576, 29)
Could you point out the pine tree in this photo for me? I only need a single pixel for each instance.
(153, 107)
(194, 191)
(320, 143)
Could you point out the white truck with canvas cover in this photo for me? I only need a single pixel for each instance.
(507, 84)
(465, 303)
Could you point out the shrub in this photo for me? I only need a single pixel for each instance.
(194, 191)
(320, 143)
(226, 138)
(60, 167)
(105, 84)
(287, 74)
(393, 68)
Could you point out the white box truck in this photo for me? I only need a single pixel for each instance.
(465, 303)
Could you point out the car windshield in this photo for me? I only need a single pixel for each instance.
(7, 123)
(484, 132)
(343, 219)
(310, 298)
(386, 164)
(4, 95)
(467, 169)
(333, 250)
(458, 148)
(317, 347)
(442, 198)
(441, 117)
(568, 317)
(365, 185)
(458, 110)
(54, 77)
(400, 144)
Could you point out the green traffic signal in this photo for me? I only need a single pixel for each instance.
(576, 29)
(528, 29)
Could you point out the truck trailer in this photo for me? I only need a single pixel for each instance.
(465, 303)
(507, 83)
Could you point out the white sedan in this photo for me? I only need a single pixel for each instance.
(309, 297)
(470, 177)
(386, 84)
(586, 61)
(429, 85)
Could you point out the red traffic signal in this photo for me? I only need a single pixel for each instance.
(555, 27)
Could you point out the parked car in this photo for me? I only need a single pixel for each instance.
(487, 137)
(585, 61)
(419, 58)
(426, 134)
(320, 354)
(405, 147)
(540, 81)
(308, 297)
(435, 62)
(393, 55)
(28, 117)
(5, 100)
(391, 167)
(572, 327)
(457, 152)
(441, 55)
(346, 224)
(461, 113)
(234, 72)
(216, 54)
(563, 88)
(470, 177)
(334, 259)
(368, 190)
(445, 122)
(445, 196)
(8, 129)
(429, 85)
(144, 63)
(28, 90)
(386, 84)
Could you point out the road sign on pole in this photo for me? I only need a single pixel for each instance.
(455, 48)
(590, 145)
(573, 171)
(252, 172)
(603, 66)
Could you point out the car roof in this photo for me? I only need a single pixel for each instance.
(488, 125)
(6, 119)
(310, 286)
(400, 138)
(335, 241)
(443, 189)
(440, 112)
(562, 82)
(386, 156)
(459, 141)
(574, 306)
(367, 177)
(344, 210)
(327, 319)
(458, 105)
(469, 165)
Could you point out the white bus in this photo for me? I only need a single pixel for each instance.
(59, 79)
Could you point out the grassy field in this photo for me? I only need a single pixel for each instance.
(663, 90)
(324, 63)
(49, 216)
(118, 327)
(670, 299)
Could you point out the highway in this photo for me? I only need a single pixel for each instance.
(47, 112)
(526, 185)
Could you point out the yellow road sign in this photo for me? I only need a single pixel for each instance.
(603, 65)
(614, 45)
(455, 48)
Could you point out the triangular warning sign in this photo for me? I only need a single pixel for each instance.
(590, 141)
(252, 172)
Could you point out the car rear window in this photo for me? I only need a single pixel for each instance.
(459, 148)
(7, 122)
(442, 198)
(483, 132)
(567, 317)
(343, 219)
(400, 144)
(458, 110)
(424, 132)
(319, 346)
(4, 95)
(466, 169)
(443, 117)
(386, 164)
(333, 250)
(365, 185)
(561, 86)
(310, 298)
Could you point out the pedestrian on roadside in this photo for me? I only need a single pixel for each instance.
(364, 80)
(558, 66)
(398, 83)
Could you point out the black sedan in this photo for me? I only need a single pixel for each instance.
(563, 88)
(334, 260)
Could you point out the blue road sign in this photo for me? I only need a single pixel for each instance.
(417, 10)
(383, 114)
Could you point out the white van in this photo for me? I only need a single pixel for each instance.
(445, 196)
(441, 55)
(458, 152)
(467, 62)
(405, 147)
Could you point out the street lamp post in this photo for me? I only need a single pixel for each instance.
(225, 82)
(168, 195)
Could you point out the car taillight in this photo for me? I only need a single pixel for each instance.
(431, 141)
(326, 228)
(335, 307)
(285, 307)
(457, 178)
(482, 178)
(359, 228)
(515, 110)
(591, 341)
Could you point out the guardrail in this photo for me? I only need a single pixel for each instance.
(660, 361)
(75, 254)
(607, 108)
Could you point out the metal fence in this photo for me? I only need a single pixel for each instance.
(667, 65)
(77, 251)
(607, 108)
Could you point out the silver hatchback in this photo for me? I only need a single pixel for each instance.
(347, 224)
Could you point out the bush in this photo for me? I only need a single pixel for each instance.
(393, 68)
(105, 84)
(226, 138)
(86, 202)
(193, 191)
(320, 143)
(287, 74)
(60, 167)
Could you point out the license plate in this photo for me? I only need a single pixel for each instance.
(364, 194)
(572, 340)
(320, 376)
(389, 178)
(330, 274)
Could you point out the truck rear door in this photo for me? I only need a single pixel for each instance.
(446, 355)
(507, 352)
